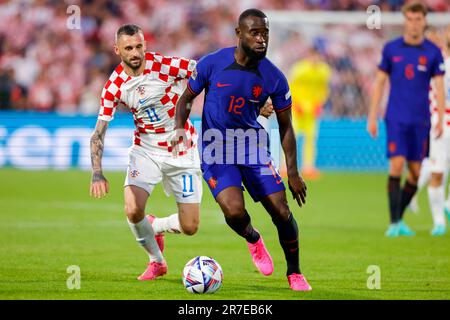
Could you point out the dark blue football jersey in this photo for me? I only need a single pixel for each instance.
(410, 70)
(234, 94)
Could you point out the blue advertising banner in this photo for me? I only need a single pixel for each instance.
(50, 141)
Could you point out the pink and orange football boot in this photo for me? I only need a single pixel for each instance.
(298, 282)
(261, 257)
(154, 270)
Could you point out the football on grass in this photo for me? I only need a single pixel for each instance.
(202, 274)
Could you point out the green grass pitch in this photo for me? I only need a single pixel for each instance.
(49, 222)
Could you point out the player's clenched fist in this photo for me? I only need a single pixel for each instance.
(267, 110)
(99, 185)
(298, 189)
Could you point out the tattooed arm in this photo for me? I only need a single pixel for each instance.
(99, 184)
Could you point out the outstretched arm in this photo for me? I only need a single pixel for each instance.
(288, 142)
(183, 108)
(182, 111)
(99, 184)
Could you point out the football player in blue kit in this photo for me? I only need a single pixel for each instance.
(409, 62)
(237, 83)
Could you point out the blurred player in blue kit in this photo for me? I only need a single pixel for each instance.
(409, 62)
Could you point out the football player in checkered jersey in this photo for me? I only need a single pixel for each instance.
(439, 166)
(149, 84)
(440, 154)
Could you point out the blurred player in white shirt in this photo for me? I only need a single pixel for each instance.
(149, 84)
(435, 169)
(440, 155)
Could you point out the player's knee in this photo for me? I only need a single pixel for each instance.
(395, 171)
(233, 209)
(282, 213)
(190, 228)
(134, 213)
(279, 208)
(436, 179)
(396, 167)
(189, 219)
(413, 177)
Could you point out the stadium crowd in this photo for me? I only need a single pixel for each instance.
(45, 66)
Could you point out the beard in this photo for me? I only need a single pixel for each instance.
(133, 66)
(252, 54)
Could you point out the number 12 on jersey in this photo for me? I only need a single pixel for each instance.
(236, 104)
(153, 117)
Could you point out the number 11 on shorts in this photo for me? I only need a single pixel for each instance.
(191, 186)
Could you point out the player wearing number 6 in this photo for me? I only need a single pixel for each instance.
(149, 84)
(409, 62)
(238, 81)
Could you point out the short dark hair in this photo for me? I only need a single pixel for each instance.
(415, 6)
(128, 29)
(251, 13)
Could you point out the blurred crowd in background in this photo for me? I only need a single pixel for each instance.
(44, 66)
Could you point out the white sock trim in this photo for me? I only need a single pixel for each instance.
(145, 236)
(170, 224)
(436, 196)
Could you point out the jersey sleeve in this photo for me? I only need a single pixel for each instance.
(180, 68)
(385, 63)
(438, 67)
(281, 97)
(108, 101)
(200, 77)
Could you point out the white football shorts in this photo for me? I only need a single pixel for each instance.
(440, 153)
(180, 176)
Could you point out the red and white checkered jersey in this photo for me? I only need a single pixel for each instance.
(433, 99)
(151, 97)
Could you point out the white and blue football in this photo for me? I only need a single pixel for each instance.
(202, 274)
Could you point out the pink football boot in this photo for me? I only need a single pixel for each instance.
(261, 257)
(298, 282)
(154, 270)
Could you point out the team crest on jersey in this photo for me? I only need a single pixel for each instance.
(422, 63)
(134, 173)
(212, 182)
(423, 60)
(141, 90)
(256, 91)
